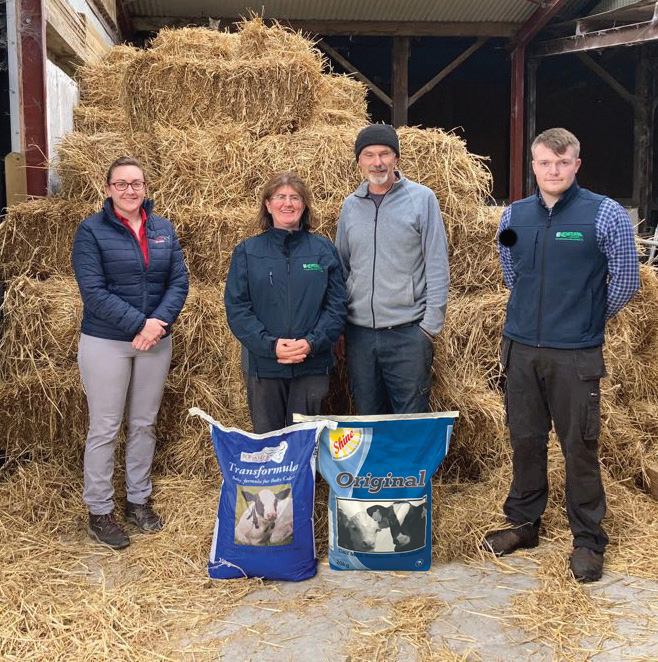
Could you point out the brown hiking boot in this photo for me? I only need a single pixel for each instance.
(506, 541)
(586, 565)
(105, 530)
(143, 515)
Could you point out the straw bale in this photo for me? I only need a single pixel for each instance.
(632, 343)
(257, 41)
(65, 598)
(101, 83)
(201, 42)
(342, 102)
(41, 325)
(322, 155)
(43, 417)
(36, 237)
(82, 162)
(208, 236)
(276, 93)
(204, 167)
(91, 119)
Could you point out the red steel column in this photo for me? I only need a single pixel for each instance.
(32, 39)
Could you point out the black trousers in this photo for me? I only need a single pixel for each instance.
(272, 402)
(562, 386)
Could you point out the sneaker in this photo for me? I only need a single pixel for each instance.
(105, 530)
(506, 541)
(143, 515)
(586, 565)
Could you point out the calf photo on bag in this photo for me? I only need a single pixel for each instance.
(379, 471)
(264, 524)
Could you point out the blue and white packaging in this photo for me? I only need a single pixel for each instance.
(264, 525)
(379, 471)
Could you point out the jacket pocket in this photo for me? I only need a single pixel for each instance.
(403, 295)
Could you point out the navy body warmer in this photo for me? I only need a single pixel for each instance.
(559, 294)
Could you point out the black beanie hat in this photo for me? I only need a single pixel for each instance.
(377, 134)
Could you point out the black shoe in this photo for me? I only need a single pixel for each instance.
(106, 530)
(143, 515)
(586, 565)
(506, 541)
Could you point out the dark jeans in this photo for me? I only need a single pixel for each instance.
(561, 385)
(272, 402)
(390, 370)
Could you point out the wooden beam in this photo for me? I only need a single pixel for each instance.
(400, 81)
(329, 28)
(627, 35)
(606, 77)
(643, 136)
(32, 38)
(523, 37)
(15, 178)
(531, 122)
(335, 55)
(448, 70)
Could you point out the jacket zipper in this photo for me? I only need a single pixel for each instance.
(541, 276)
(374, 262)
(286, 251)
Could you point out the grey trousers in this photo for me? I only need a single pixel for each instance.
(118, 379)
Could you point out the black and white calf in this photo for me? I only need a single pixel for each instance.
(258, 521)
(406, 521)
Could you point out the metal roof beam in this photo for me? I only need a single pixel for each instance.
(363, 28)
(626, 35)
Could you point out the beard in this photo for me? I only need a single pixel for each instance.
(378, 178)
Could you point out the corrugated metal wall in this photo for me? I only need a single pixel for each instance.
(62, 97)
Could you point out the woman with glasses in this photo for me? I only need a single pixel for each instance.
(286, 303)
(133, 282)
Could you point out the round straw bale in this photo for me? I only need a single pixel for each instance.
(91, 119)
(272, 94)
(101, 83)
(208, 167)
(37, 235)
(82, 162)
(342, 102)
(41, 326)
(202, 42)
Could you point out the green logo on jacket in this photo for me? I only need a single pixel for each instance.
(311, 266)
(569, 236)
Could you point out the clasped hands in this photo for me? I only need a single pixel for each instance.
(292, 351)
(153, 330)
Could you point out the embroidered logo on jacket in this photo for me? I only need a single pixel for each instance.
(311, 266)
(569, 236)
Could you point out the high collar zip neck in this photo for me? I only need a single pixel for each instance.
(108, 209)
(283, 237)
(362, 191)
(568, 195)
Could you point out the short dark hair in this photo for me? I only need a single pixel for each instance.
(124, 161)
(558, 140)
(275, 182)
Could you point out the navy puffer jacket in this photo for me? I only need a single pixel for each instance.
(119, 292)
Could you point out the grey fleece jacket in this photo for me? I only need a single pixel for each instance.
(395, 258)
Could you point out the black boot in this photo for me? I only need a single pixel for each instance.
(106, 530)
(143, 515)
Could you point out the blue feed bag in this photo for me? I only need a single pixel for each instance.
(379, 470)
(264, 525)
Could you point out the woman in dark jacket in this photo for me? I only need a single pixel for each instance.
(133, 282)
(286, 303)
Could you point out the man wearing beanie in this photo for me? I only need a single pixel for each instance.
(392, 244)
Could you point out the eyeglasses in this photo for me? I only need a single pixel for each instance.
(137, 185)
(280, 198)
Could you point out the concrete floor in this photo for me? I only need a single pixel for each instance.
(328, 617)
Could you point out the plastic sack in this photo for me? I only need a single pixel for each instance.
(264, 525)
(379, 470)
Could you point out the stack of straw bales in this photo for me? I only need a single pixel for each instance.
(212, 115)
